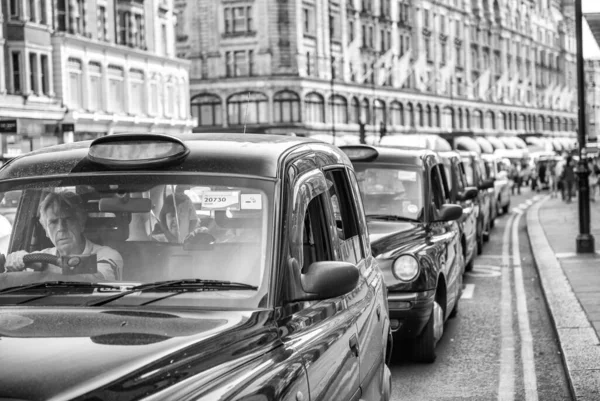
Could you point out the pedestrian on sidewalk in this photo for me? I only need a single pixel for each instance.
(553, 178)
(568, 178)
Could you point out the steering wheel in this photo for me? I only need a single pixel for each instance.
(44, 258)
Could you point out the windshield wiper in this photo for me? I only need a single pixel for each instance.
(390, 217)
(179, 286)
(56, 284)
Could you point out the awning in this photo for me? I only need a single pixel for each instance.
(519, 143)
(556, 145)
(466, 143)
(496, 143)
(507, 141)
(432, 142)
(484, 144)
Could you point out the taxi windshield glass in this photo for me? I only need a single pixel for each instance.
(392, 190)
(468, 165)
(139, 230)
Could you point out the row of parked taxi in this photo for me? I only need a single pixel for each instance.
(429, 214)
(305, 266)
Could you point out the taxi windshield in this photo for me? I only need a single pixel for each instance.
(393, 190)
(140, 229)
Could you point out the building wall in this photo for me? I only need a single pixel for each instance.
(45, 89)
(391, 62)
(592, 98)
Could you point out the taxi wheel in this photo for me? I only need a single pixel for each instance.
(505, 208)
(486, 234)
(423, 349)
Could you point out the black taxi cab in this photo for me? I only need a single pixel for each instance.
(415, 238)
(463, 195)
(201, 267)
(477, 176)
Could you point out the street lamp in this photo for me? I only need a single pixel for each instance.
(585, 240)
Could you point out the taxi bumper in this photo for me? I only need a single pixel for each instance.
(409, 312)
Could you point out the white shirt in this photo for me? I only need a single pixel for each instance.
(110, 262)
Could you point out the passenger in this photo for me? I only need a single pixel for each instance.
(63, 217)
(175, 224)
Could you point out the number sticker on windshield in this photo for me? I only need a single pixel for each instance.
(407, 175)
(221, 200)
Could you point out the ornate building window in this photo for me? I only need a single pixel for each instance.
(354, 111)
(116, 89)
(247, 108)
(379, 111)
(131, 30)
(95, 91)
(136, 91)
(207, 110)
(75, 83)
(286, 106)
(365, 112)
(314, 107)
(396, 114)
(339, 109)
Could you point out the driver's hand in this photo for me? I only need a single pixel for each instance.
(14, 261)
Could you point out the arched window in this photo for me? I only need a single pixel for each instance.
(557, 124)
(468, 119)
(365, 112)
(247, 108)
(504, 121)
(492, 119)
(379, 110)
(428, 114)
(420, 117)
(206, 109)
(286, 107)
(438, 119)
(522, 120)
(314, 107)
(460, 118)
(396, 114)
(541, 123)
(354, 111)
(339, 109)
(410, 112)
(565, 124)
(550, 124)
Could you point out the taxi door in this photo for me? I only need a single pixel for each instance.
(324, 332)
(367, 301)
(446, 235)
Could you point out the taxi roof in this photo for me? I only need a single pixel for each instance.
(243, 154)
(404, 155)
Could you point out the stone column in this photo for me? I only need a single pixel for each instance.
(24, 15)
(40, 72)
(85, 78)
(105, 83)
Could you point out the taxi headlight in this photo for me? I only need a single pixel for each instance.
(405, 268)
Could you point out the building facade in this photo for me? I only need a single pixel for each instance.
(79, 69)
(490, 67)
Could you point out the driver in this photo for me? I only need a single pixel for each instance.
(63, 217)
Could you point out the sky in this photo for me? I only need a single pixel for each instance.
(590, 6)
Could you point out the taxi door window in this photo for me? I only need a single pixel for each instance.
(458, 178)
(359, 209)
(344, 216)
(437, 188)
(316, 246)
(462, 176)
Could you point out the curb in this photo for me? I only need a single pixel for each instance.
(578, 342)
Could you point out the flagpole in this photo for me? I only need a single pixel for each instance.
(331, 72)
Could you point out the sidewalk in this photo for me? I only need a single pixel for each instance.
(571, 284)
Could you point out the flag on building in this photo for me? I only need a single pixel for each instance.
(512, 88)
(402, 70)
(445, 76)
(386, 66)
(499, 88)
(420, 71)
(548, 95)
(483, 84)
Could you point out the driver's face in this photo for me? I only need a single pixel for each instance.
(172, 223)
(65, 231)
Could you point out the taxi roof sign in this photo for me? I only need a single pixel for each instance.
(360, 152)
(137, 150)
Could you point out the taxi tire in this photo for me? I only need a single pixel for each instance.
(505, 208)
(423, 347)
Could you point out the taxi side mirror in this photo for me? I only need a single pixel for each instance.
(450, 212)
(469, 193)
(329, 279)
(487, 184)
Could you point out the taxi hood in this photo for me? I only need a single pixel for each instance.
(65, 353)
(385, 235)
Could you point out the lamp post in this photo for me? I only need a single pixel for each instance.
(585, 240)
